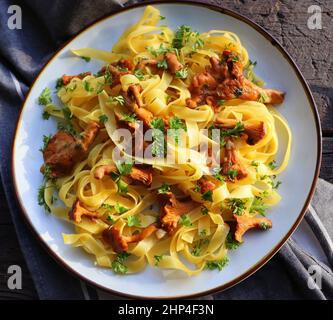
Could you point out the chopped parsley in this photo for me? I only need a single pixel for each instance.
(157, 51)
(262, 97)
(232, 174)
(162, 64)
(162, 17)
(118, 265)
(139, 74)
(158, 145)
(181, 74)
(254, 163)
(196, 251)
(45, 97)
(217, 264)
(234, 132)
(204, 210)
(230, 242)
(122, 186)
(272, 165)
(157, 258)
(46, 115)
(47, 171)
(119, 99)
(129, 118)
(133, 221)
(185, 221)
(107, 206)
(220, 102)
(110, 219)
(86, 59)
(59, 83)
(41, 198)
(207, 196)
(258, 206)
(87, 86)
(264, 226)
(181, 36)
(103, 118)
(217, 174)
(176, 125)
(124, 167)
(107, 76)
(236, 205)
(120, 209)
(46, 140)
(165, 188)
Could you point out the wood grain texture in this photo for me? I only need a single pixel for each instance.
(312, 50)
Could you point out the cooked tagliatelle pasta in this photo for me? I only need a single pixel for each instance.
(165, 156)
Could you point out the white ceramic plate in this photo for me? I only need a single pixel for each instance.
(274, 65)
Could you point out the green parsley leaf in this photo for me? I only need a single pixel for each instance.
(181, 36)
(45, 97)
(234, 132)
(124, 167)
(139, 74)
(217, 174)
(122, 186)
(118, 265)
(232, 173)
(59, 83)
(119, 99)
(157, 258)
(220, 102)
(176, 125)
(87, 86)
(204, 210)
(133, 221)
(185, 220)
(272, 165)
(103, 118)
(262, 97)
(157, 51)
(46, 115)
(46, 140)
(119, 208)
(129, 118)
(165, 188)
(86, 59)
(217, 264)
(181, 74)
(264, 226)
(207, 196)
(258, 206)
(47, 171)
(110, 219)
(162, 17)
(41, 198)
(162, 64)
(236, 205)
(230, 242)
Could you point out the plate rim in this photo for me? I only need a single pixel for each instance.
(274, 250)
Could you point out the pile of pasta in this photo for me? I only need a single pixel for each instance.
(202, 237)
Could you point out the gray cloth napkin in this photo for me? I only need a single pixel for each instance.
(46, 25)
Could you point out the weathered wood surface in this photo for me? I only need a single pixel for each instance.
(312, 50)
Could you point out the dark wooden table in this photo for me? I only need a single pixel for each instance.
(312, 50)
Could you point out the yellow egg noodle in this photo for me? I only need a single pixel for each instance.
(205, 232)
